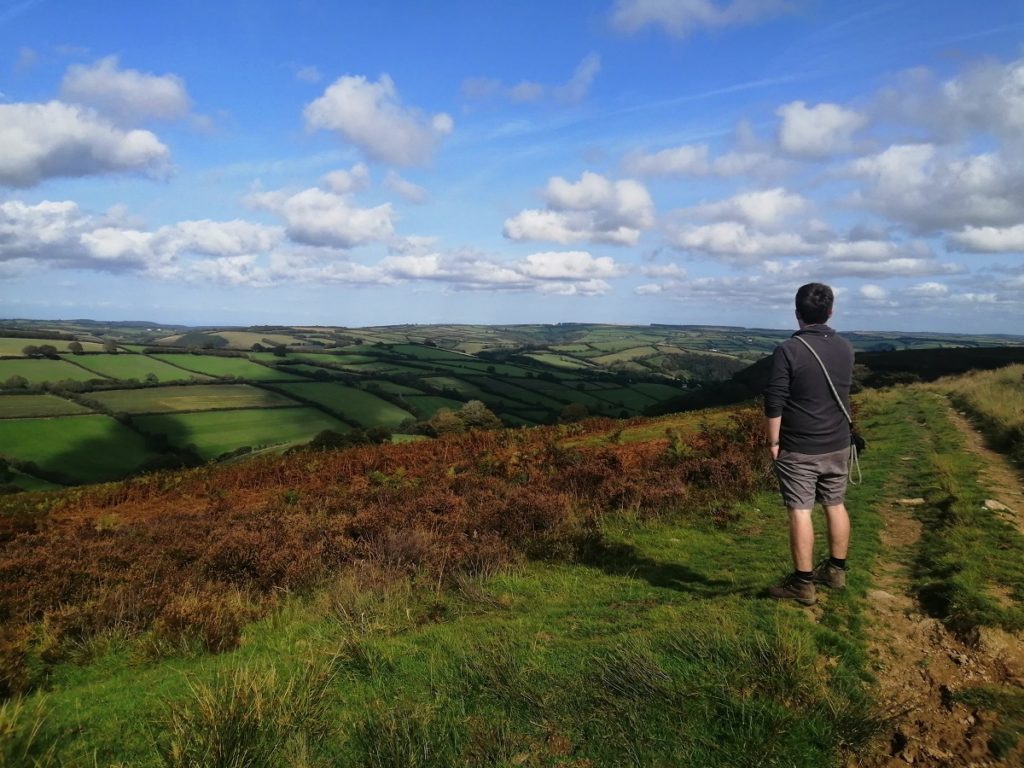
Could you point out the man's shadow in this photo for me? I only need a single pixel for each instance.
(620, 559)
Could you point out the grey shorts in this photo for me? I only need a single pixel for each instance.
(805, 478)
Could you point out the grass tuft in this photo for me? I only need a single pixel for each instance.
(247, 718)
(22, 744)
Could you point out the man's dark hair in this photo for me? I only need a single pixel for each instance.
(814, 303)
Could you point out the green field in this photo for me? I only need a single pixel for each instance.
(355, 405)
(393, 388)
(87, 448)
(217, 432)
(457, 385)
(135, 367)
(560, 361)
(625, 355)
(227, 366)
(201, 397)
(626, 398)
(29, 406)
(13, 346)
(428, 405)
(524, 395)
(245, 339)
(40, 371)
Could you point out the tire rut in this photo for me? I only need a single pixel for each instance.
(919, 664)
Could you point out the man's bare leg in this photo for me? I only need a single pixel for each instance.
(801, 539)
(838, 530)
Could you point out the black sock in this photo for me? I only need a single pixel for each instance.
(838, 563)
(805, 576)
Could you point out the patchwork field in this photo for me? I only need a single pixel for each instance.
(216, 432)
(41, 371)
(28, 406)
(202, 397)
(14, 346)
(86, 448)
(135, 367)
(363, 408)
(227, 366)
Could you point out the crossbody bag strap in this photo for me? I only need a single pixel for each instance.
(854, 458)
(828, 378)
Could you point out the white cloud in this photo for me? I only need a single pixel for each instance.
(371, 116)
(648, 289)
(219, 238)
(765, 209)
(585, 288)
(897, 267)
(988, 239)
(568, 265)
(818, 131)
(873, 292)
(875, 250)
(987, 97)
(929, 190)
(308, 75)
(681, 17)
(568, 274)
(579, 84)
(928, 290)
(696, 160)
(319, 218)
(684, 160)
(27, 58)
(573, 91)
(113, 244)
(42, 141)
(733, 241)
(594, 208)
(245, 253)
(231, 270)
(663, 270)
(975, 298)
(125, 95)
(414, 193)
(356, 179)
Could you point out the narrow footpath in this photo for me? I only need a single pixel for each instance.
(920, 664)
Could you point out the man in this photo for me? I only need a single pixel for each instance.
(809, 440)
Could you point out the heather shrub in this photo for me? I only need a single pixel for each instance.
(187, 558)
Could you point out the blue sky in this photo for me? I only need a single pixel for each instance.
(621, 161)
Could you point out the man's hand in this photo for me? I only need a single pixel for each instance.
(774, 451)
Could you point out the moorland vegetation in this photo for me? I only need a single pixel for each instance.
(579, 594)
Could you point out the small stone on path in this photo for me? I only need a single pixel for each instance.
(919, 502)
(996, 506)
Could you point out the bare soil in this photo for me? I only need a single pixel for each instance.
(919, 664)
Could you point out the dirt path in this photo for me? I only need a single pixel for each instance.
(919, 664)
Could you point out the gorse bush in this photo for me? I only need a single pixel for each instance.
(195, 555)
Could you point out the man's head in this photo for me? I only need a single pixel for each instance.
(814, 303)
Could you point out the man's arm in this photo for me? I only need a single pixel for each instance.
(775, 396)
(772, 427)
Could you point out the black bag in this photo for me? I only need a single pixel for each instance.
(857, 441)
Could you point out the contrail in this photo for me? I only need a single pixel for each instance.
(17, 9)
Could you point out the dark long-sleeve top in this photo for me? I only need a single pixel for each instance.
(812, 421)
